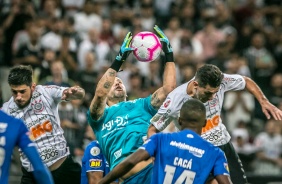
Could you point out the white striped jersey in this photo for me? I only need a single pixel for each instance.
(215, 131)
(42, 119)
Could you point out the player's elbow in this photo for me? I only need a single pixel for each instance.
(151, 130)
(169, 88)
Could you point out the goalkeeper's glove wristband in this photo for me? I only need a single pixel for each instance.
(116, 65)
(169, 57)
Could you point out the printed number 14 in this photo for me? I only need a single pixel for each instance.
(185, 175)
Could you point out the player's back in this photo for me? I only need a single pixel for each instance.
(185, 156)
(10, 132)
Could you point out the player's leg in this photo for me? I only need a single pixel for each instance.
(69, 172)
(236, 169)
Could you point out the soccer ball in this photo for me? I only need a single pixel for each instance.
(147, 46)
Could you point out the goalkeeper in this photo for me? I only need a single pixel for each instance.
(121, 125)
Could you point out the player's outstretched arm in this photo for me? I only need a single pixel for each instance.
(41, 173)
(267, 108)
(125, 166)
(104, 85)
(73, 93)
(169, 78)
(152, 130)
(94, 176)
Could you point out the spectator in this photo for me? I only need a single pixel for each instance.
(22, 36)
(49, 56)
(73, 121)
(209, 37)
(87, 19)
(190, 49)
(275, 95)
(269, 145)
(50, 9)
(58, 76)
(242, 145)
(30, 53)
(88, 77)
(13, 21)
(94, 44)
(261, 62)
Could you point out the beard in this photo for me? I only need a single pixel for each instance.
(119, 94)
(202, 99)
(22, 104)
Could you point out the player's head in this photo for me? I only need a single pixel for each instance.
(117, 92)
(20, 81)
(207, 82)
(192, 115)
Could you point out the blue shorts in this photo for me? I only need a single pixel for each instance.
(142, 177)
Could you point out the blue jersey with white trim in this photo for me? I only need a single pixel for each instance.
(93, 161)
(121, 130)
(184, 157)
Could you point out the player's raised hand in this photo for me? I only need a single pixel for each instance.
(165, 43)
(74, 92)
(271, 111)
(125, 48)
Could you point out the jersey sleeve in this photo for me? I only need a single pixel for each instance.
(221, 165)
(94, 158)
(233, 82)
(147, 105)
(151, 144)
(168, 111)
(54, 91)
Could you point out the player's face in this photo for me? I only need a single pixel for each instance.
(206, 93)
(118, 89)
(22, 94)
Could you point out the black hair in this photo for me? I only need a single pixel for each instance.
(20, 75)
(193, 110)
(209, 75)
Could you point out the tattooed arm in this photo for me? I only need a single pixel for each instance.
(98, 103)
(169, 83)
(169, 78)
(105, 84)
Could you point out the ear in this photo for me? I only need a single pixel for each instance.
(33, 86)
(179, 121)
(195, 87)
(195, 83)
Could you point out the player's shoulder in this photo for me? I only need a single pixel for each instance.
(93, 148)
(181, 88)
(8, 104)
(227, 78)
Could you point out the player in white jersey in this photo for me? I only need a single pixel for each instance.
(38, 106)
(209, 86)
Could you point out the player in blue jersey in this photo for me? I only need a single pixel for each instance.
(94, 164)
(13, 132)
(119, 125)
(182, 157)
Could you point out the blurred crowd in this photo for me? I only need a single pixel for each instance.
(71, 42)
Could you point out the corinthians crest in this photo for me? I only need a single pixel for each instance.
(37, 105)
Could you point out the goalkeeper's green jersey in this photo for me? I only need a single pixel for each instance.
(121, 129)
